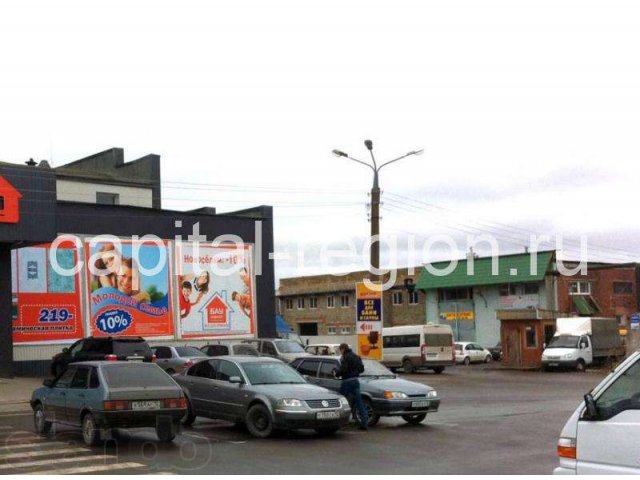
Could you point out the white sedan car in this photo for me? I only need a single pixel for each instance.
(468, 352)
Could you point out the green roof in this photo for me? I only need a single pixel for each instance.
(511, 269)
(584, 304)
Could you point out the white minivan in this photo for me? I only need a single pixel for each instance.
(602, 434)
(418, 346)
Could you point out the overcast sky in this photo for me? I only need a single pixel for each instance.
(528, 112)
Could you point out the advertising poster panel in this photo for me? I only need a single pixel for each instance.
(216, 290)
(369, 321)
(45, 305)
(129, 288)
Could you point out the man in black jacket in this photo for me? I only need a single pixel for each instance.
(350, 369)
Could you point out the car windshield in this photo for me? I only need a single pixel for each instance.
(375, 369)
(131, 347)
(131, 374)
(271, 373)
(245, 350)
(564, 341)
(189, 352)
(458, 347)
(289, 346)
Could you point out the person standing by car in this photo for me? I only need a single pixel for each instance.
(351, 367)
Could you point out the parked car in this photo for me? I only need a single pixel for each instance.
(418, 346)
(285, 350)
(100, 396)
(496, 352)
(384, 394)
(261, 392)
(323, 349)
(102, 348)
(221, 349)
(598, 439)
(175, 359)
(467, 352)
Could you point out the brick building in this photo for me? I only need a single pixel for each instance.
(607, 290)
(325, 304)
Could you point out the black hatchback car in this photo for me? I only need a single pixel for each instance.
(101, 348)
(383, 392)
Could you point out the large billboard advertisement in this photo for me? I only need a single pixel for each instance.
(129, 287)
(369, 320)
(216, 290)
(46, 305)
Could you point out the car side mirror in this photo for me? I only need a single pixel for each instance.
(48, 382)
(237, 380)
(591, 408)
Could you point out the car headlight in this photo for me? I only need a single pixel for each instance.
(432, 394)
(289, 402)
(344, 402)
(567, 356)
(389, 394)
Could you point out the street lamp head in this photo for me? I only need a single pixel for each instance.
(368, 144)
(417, 152)
(339, 153)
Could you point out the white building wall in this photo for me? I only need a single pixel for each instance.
(73, 191)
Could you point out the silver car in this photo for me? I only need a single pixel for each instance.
(101, 396)
(282, 349)
(176, 359)
(263, 393)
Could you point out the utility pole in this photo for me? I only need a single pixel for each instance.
(374, 253)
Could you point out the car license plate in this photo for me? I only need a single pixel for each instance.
(432, 354)
(553, 364)
(145, 405)
(420, 404)
(327, 415)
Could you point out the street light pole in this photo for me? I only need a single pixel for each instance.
(374, 253)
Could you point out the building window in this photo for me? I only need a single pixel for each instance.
(103, 198)
(531, 339)
(345, 330)
(331, 301)
(622, 288)
(413, 298)
(530, 288)
(344, 300)
(313, 302)
(447, 294)
(396, 298)
(288, 303)
(580, 288)
(331, 330)
(300, 303)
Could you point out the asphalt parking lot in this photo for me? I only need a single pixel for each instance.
(491, 421)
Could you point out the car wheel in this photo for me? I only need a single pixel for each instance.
(487, 359)
(327, 430)
(438, 370)
(170, 371)
(408, 367)
(42, 426)
(580, 366)
(189, 417)
(466, 361)
(259, 421)
(372, 417)
(166, 432)
(414, 419)
(90, 433)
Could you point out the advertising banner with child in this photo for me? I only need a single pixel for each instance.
(216, 290)
(129, 287)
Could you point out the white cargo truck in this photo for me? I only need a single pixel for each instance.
(583, 341)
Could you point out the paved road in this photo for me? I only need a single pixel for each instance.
(491, 421)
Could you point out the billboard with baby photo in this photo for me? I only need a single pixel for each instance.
(129, 287)
(216, 290)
